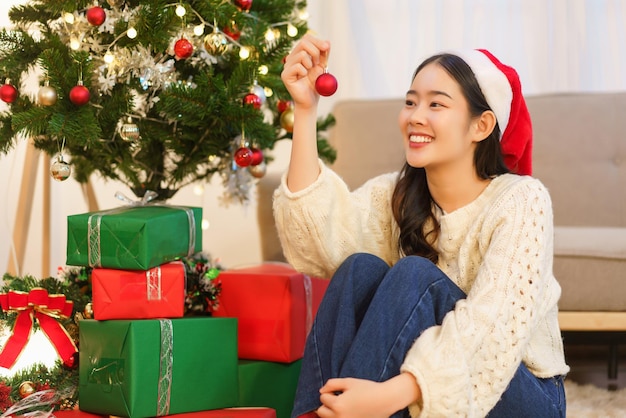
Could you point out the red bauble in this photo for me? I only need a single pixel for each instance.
(253, 100)
(326, 84)
(8, 93)
(244, 4)
(79, 95)
(243, 157)
(283, 105)
(96, 15)
(257, 156)
(232, 31)
(183, 48)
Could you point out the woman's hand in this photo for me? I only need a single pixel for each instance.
(303, 65)
(360, 398)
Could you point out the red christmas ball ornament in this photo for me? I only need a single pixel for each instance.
(8, 93)
(183, 48)
(79, 95)
(326, 84)
(283, 105)
(96, 16)
(243, 157)
(257, 156)
(232, 31)
(252, 100)
(244, 4)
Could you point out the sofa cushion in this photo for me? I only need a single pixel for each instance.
(590, 265)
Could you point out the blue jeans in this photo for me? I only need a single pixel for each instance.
(370, 316)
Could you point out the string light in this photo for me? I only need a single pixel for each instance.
(131, 32)
(244, 53)
(292, 30)
(180, 10)
(270, 35)
(109, 57)
(303, 14)
(263, 70)
(68, 18)
(205, 224)
(198, 30)
(74, 43)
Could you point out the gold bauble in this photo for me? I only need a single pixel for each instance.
(259, 170)
(47, 96)
(88, 311)
(26, 388)
(286, 120)
(129, 131)
(215, 43)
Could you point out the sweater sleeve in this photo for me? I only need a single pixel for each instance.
(465, 364)
(320, 226)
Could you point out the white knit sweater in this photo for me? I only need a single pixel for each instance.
(497, 249)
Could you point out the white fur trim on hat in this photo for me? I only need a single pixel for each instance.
(493, 83)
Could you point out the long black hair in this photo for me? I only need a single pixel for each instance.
(412, 203)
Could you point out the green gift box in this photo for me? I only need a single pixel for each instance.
(269, 384)
(133, 237)
(151, 367)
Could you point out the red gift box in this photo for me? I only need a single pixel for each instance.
(274, 306)
(217, 413)
(138, 294)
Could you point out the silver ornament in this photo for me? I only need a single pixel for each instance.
(259, 91)
(60, 170)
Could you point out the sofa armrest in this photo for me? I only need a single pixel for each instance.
(271, 249)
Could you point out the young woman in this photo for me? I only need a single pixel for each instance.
(442, 301)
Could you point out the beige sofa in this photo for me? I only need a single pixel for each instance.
(579, 154)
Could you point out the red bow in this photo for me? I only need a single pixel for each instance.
(45, 308)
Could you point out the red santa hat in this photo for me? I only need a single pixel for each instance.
(503, 90)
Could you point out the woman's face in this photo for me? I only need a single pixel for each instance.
(435, 123)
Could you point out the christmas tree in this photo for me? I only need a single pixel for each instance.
(154, 93)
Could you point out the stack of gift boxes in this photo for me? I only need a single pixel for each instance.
(140, 357)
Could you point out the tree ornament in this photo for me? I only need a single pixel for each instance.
(79, 95)
(8, 92)
(243, 156)
(326, 84)
(60, 170)
(47, 96)
(283, 105)
(244, 5)
(88, 311)
(215, 42)
(259, 91)
(26, 388)
(286, 120)
(252, 100)
(258, 171)
(183, 49)
(96, 15)
(232, 31)
(257, 156)
(129, 131)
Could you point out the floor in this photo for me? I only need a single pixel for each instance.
(597, 358)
